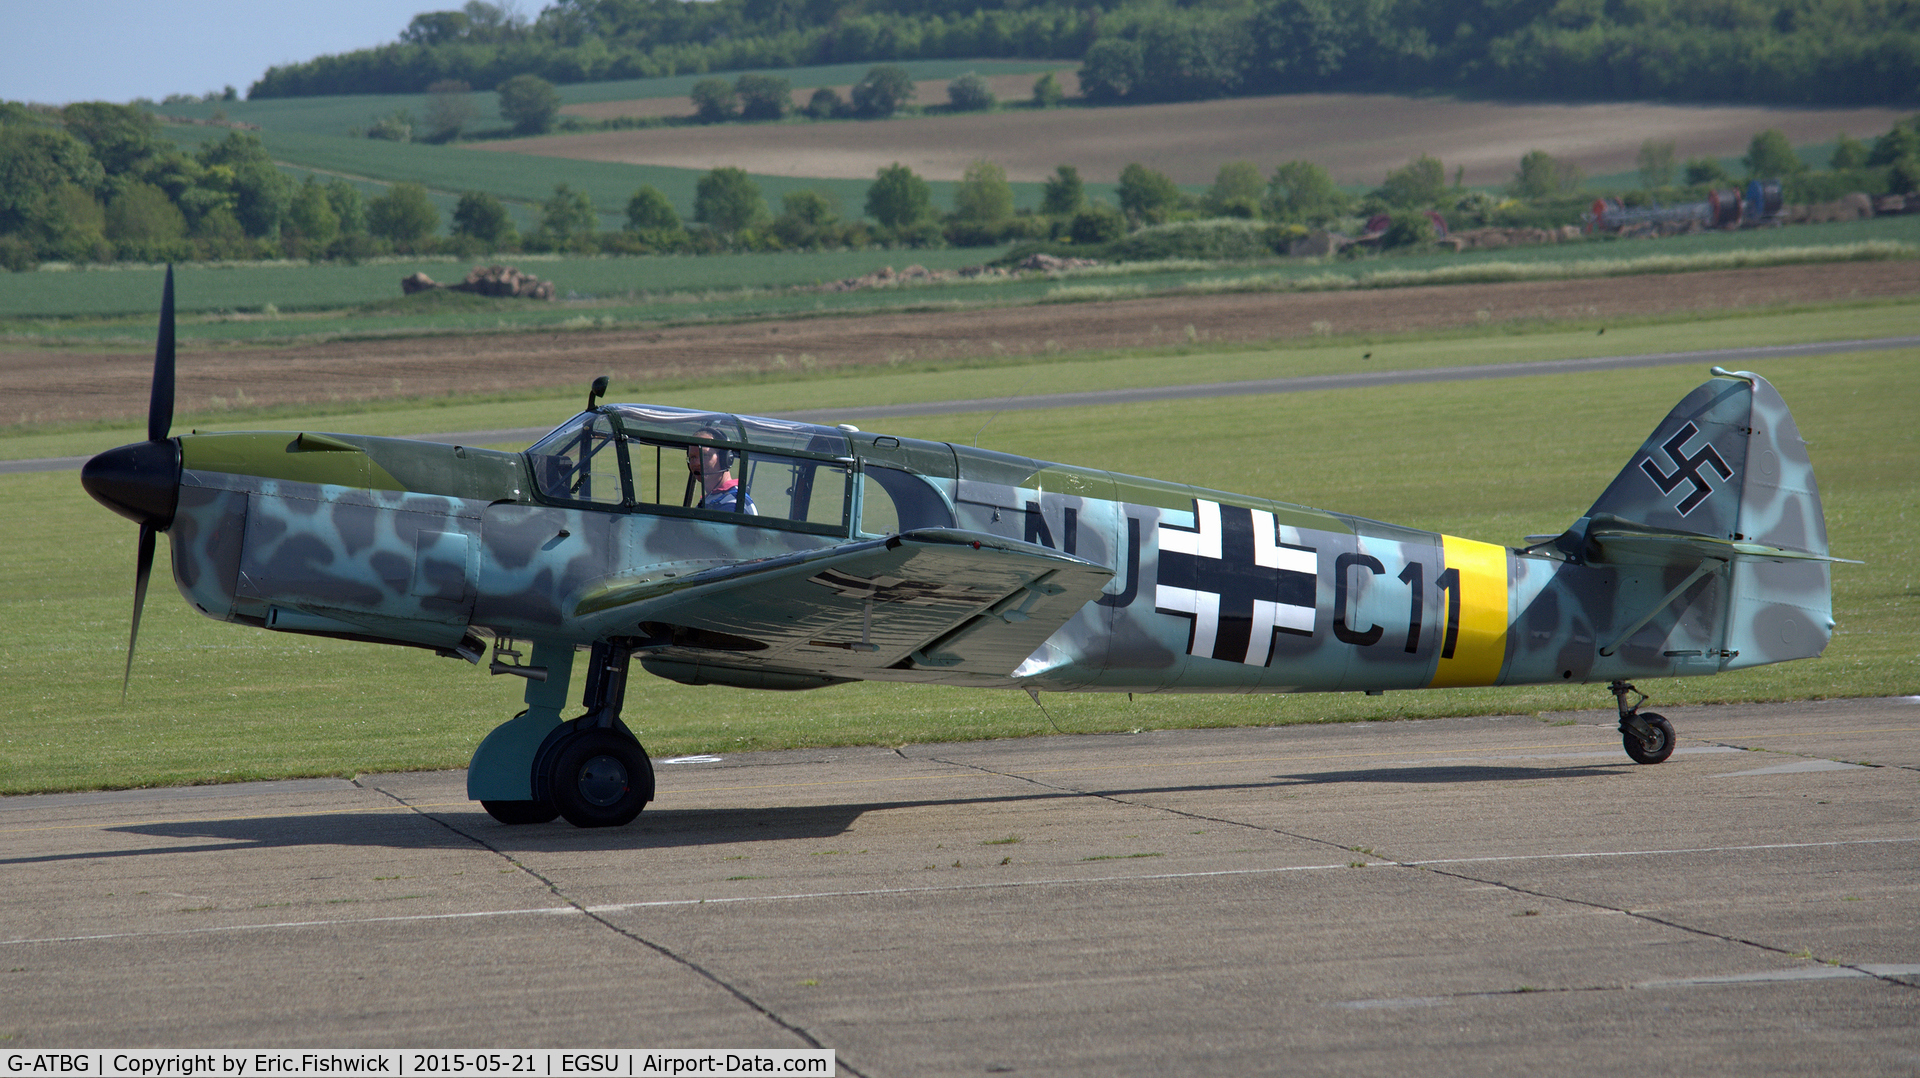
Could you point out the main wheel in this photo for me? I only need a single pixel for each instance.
(1656, 746)
(518, 812)
(601, 778)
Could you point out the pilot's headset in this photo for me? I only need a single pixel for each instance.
(726, 455)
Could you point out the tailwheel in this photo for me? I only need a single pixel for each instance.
(600, 778)
(519, 812)
(1648, 738)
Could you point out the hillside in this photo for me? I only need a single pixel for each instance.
(1756, 51)
(1358, 138)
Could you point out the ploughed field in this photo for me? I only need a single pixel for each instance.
(74, 384)
(1356, 137)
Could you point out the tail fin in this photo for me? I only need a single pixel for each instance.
(1723, 488)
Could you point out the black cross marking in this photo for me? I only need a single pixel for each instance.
(1219, 594)
(1686, 469)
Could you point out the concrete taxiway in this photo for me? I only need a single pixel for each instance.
(1490, 895)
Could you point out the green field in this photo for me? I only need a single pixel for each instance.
(335, 115)
(776, 390)
(105, 303)
(213, 702)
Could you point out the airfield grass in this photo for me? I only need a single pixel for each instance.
(1491, 460)
(780, 384)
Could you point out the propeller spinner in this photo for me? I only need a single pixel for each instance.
(141, 481)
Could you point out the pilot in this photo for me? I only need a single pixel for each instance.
(713, 465)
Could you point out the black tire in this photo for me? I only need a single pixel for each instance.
(601, 778)
(1656, 746)
(519, 812)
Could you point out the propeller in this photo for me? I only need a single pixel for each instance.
(141, 481)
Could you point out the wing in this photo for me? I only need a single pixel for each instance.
(940, 601)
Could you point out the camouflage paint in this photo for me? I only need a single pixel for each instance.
(1707, 552)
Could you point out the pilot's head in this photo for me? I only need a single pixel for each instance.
(708, 460)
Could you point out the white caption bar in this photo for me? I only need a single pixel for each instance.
(352, 1063)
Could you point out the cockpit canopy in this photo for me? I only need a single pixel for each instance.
(684, 462)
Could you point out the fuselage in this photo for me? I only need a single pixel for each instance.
(444, 547)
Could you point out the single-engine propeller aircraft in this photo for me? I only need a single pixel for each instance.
(734, 550)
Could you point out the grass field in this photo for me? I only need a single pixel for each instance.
(213, 702)
(117, 302)
(777, 391)
(335, 115)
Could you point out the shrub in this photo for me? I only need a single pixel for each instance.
(1146, 196)
(825, 104)
(403, 215)
(1421, 182)
(881, 93)
(763, 97)
(1771, 156)
(714, 100)
(728, 200)
(970, 93)
(1064, 193)
(650, 210)
(898, 198)
(1098, 223)
(484, 219)
(529, 103)
(1047, 93)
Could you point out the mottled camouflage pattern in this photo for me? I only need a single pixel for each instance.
(1706, 553)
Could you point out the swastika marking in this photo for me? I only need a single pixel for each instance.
(1686, 469)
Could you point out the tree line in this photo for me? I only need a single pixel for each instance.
(95, 182)
(1761, 51)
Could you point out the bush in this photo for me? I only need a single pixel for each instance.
(1064, 193)
(1421, 182)
(650, 210)
(484, 219)
(1146, 196)
(883, 91)
(970, 93)
(714, 101)
(763, 97)
(727, 200)
(1098, 223)
(404, 216)
(529, 103)
(1408, 228)
(825, 104)
(1047, 93)
(898, 198)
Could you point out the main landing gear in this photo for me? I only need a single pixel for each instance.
(1647, 736)
(590, 770)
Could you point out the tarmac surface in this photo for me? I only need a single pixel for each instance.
(1485, 895)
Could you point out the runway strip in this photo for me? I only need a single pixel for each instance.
(1257, 387)
(1455, 896)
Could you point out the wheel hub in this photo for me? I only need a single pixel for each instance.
(603, 780)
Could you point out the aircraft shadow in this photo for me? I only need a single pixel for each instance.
(691, 827)
(1449, 773)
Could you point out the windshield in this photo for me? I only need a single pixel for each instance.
(579, 462)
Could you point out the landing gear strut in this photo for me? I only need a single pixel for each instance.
(591, 770)
(1647, 736)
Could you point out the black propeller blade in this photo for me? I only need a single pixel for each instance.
(160, 405)
(143, 568)
(159, 425)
